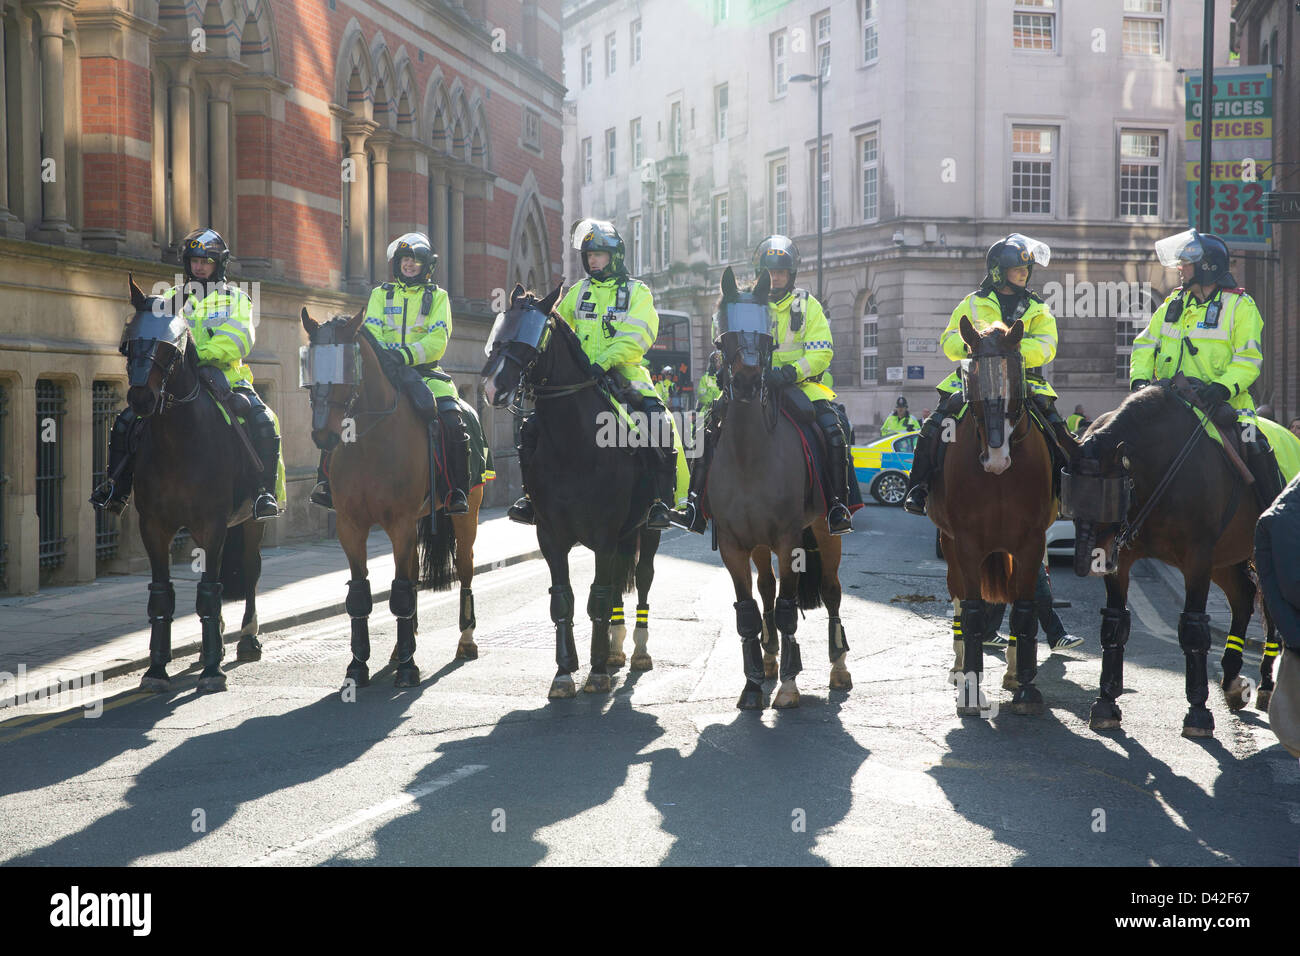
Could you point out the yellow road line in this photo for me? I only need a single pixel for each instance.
(75, 714)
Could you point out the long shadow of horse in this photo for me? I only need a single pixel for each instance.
(542, 766)
(221, 771)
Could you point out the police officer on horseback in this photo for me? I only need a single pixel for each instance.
(1004, 296)
(1211, 330)
(900, 421)
(221, 320)
(615, 319)
(410, 317)
(804, 349)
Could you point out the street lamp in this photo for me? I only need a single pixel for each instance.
(820, 81)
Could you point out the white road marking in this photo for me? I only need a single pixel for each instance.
(370, 813)
(1148, 615)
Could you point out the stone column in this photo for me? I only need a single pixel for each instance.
(379, 144)
(356, 135)
(219, 132)
(54, 198)
(438, 224)
(457, 251)
(182, 160)
(9, 225)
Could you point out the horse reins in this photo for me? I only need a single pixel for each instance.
(1128, 530)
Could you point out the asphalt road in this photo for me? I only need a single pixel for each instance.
(475, 766)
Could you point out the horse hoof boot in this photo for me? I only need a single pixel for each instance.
(966, 711)
(769, 666)
(248, 649)
(408, 675)
(1261, 700)
(213, 683)
(1238, 693)
(155, 685)
(841, 680)
(1198, 723)
(1105, 715)
(358, 673)
(615, 661)
(642, 662)
(562, 688)
(466, 651)
(1027, 702)
(1009, 681)
(596, 684)
(786, 698)
(751, 698)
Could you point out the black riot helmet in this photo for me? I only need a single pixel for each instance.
(598, 235)
(777, 252)
(1006, 254)
(205, 244)
(417, 246)
(1208, 253)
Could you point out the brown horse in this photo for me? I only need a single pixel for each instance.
(380, 475)
(763, 500)
(992, 502)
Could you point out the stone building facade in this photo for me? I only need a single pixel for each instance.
(309, 135)
(945, 127)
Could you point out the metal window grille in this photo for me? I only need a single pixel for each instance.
(4, 480)
(50, 410)
(105, 402)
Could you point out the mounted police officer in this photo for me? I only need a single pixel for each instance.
(804, 350)
(615, 319)
(900, 421)
(410, 317)
(707, 391)
(220, 316)
(1004, 296)
(1211, 330)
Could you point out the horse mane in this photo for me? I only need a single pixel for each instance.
(1127, 422)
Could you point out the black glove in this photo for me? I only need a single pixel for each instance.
(1212, 393)
(1139, 384)
(390, 360)
(788, 374)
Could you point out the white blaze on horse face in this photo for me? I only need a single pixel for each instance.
(998, 460)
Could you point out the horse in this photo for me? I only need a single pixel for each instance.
(191, 470)
(764, 500)
(1148, 482)
(585, 482)
(994, 529)
(380, 474)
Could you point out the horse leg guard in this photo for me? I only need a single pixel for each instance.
(1235, 690)
(466, 649)
(402, 603)
(162, 607)
(1106, 714)
(838, 647)
(600, 601)
(359, 605)
(968, 682)
(208, 605)
(749, 625)
(617, 634)
(641, 639)
(1194, 639)
(566, 653)
(1027, 699)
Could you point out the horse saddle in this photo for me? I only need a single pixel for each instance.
(236, 405)
(1224, 417)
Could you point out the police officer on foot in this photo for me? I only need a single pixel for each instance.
(900, 421)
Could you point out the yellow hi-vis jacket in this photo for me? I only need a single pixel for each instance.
(983, 309)
(894, 425)
(397, 315)
(809, 348)
(222, 323)
(1226, 345)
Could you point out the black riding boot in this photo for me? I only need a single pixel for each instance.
(838, 518)
(456, 441)
(112, 495)
(1047, 408)
(692, 517)
(320, 495)
(266, 442)
(664, 462)
(522, 510)
(925, 460)
(1263, 465)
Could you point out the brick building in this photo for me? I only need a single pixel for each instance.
(309, 135)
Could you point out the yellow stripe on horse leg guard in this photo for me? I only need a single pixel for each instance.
(616, 615)
(1271, 648)
(1234, 643)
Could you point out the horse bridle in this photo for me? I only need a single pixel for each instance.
(167, 399)
(529, 390)
(322, 392)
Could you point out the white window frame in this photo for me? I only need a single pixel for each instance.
(1053, 159)
(636, 41)
(1126, 328)
(778, 190)
(721, 235)
(779, 44)
(827, 172)
(586, 161)
(611, 151)
(676, 134)
(611, 53)
(634, 139)
(871, 320)
(1043, 8)
(1162, 140)
(634, 228)
(721, 97)
(868, 166)
(870, 33)
(1161, 19)
(586, 66)
(665, 238)
(532, 128)
(821, 41)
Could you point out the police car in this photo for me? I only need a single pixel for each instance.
(882, 467)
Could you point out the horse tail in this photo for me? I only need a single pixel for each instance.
(233, 585)
(810, 578)
(995, 578)
(437, 551)
(624, 577)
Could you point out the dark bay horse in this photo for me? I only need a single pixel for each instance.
(380, 475)
(992, 502)
(587, 486)
(191, 471)
(1201, 521)
(764, 501)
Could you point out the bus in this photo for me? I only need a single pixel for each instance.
(673, 348)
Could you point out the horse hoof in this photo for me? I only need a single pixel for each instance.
(359, 674)
(642, 662)
(966, 711)
(249, 649)
(214, 684)
(1261, 700)
(596, 684)
(155, 685)
(616, 661)
(1198, 723)
(408, 675)
(562, 688)
(467, 651)
(769, 666)
(786, 701)
(1009, 681)
(1197, 733)
(1105, 715)
(1238, 694)
(841, 680)
(751, 698)
(1027, 702)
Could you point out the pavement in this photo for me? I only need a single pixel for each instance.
(67, 634)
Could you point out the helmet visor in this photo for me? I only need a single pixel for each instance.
(598, 232)
(416, 244)
(1037, 252)
(1185, 247)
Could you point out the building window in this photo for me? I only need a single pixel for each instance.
(586, 161)
(610, 58)
(675, 128)
(1032, 156)
(823, 34)
(721, 243)
(532, 128)
(720, 107)
(721, 10)
(780, 197)
(780, 69)
(636, 41)
(634, 137)
(609, 152)
(870, 153)
(870, 349)
(825, 180)
(1139, 173)
(870, 35)
(663, 237)
(1144, 28)
(586, 66)
(636, 244)
(1034, 25)
(1126, 330)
